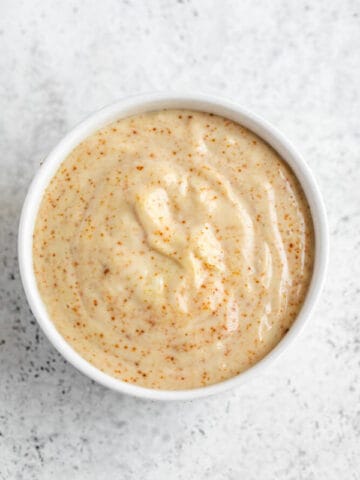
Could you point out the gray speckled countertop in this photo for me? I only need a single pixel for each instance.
(298, 65)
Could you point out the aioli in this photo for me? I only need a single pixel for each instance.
(173, 249)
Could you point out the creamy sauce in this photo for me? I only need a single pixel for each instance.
(173, 249)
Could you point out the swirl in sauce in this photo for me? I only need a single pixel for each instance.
(173, 249)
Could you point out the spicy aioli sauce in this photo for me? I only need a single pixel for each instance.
(173, 249)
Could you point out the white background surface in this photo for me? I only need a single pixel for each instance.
(297, 64)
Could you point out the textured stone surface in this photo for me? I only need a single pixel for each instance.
(298, 65)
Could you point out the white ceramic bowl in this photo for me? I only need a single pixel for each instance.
(132, 106)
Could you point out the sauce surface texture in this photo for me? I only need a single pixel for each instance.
(173, 249)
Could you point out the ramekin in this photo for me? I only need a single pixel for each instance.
(132, 106)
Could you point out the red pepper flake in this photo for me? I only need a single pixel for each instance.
(139, 167)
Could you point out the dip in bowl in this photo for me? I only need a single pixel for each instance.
(170, 246)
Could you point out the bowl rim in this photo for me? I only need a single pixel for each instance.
(156, 101)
